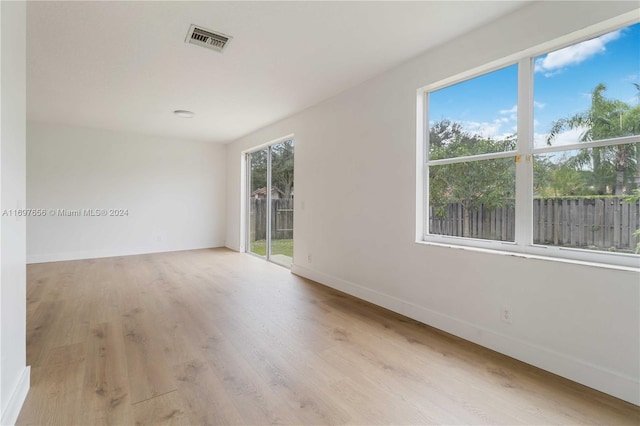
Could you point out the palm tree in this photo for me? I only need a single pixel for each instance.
(605, 119)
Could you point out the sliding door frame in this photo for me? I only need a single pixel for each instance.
(268, 203)
(247, 198)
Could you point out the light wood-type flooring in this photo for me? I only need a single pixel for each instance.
(218, 337)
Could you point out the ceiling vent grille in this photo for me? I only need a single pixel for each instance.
(207, 38)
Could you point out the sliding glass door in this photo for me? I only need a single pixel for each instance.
(257, 166)
(281, 217)
(270, 202)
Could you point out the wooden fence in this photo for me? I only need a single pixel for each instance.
(493, 224)
(282, 219)
(597, 223)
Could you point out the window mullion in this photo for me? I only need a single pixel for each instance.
(469, 158)
(422, 155)
(524, 168)
(625, 140)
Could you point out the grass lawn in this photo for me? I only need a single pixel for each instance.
(284, 247)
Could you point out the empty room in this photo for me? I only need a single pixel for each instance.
(309, 213)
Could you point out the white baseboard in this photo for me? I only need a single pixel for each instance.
(233, 247)
(16, 400)
(607, 381)
(96, 254)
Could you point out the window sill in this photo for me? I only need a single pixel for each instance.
(530, 256)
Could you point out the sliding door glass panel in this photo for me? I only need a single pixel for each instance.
(257, 165)
(281, 214)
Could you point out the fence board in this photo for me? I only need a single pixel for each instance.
(601, 223)
(617, 213)
(634, 224)
(542, 218)
(282, 219)
(580, 224)
(536, 218)
(624, 224)
(589, 230)
(566, 221)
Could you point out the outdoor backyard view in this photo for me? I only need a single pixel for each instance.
(271, 202)
(584, 94)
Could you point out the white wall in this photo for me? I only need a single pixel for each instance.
(578, 321)
(14, 375)
(174, 191)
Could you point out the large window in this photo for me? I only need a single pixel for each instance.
(541, 155)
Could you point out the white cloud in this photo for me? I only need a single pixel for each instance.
(487, 129)
(498, 128)
(539, 104)
(501, 127)
(564, 138)
(555, 62)
(479, 127)
(511, 110)
(483, 128)
(512, 113)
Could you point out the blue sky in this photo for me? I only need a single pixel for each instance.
(563, 80)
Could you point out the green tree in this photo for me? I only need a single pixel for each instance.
(614, 166)
(282, 167)
(258, 169)
(562, 180)
(471, 183)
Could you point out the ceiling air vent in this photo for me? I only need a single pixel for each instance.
(207, 38)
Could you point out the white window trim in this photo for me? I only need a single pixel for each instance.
(523, 244)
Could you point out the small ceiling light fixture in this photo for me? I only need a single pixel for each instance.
(184, 113)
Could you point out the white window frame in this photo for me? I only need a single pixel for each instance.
(525, 150)
(245, 183)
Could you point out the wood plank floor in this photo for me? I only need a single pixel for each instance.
(217, 337)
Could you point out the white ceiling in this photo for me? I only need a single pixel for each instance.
(125, 66)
